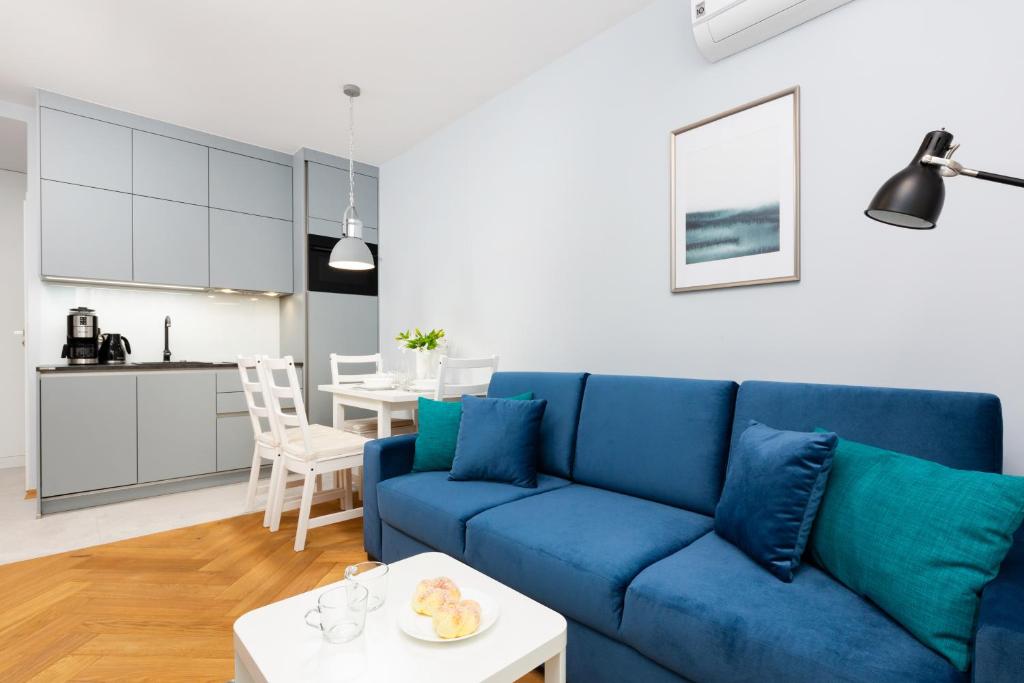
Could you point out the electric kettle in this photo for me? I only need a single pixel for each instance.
(114, 348)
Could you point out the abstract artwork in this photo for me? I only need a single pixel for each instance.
(735, 197)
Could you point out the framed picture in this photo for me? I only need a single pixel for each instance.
(736, 196)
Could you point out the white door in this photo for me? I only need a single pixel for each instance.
(12, 293)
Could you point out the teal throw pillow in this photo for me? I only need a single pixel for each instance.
(439, 432)
(918, 539)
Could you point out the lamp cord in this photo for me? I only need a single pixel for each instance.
(351, 153)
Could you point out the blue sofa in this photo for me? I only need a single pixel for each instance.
(618, 535)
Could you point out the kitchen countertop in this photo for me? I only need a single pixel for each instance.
(141, 367)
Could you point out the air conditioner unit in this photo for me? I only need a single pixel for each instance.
(725, 27)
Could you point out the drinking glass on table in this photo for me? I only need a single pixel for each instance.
(340, 613)
(373, 575)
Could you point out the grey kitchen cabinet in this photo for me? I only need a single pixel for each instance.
(177, 424)
(86, 232)
(87, 440)
(328, 194)
(337, 323)
(234, 442)
(319, 226)
(85, 151)
(250, 252)
(169, 168)
(249, 185)
(170, 242)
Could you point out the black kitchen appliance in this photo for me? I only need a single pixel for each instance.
(83, 337)
(323, 278)
(114, 349)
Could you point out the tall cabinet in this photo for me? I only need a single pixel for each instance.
(315, 324)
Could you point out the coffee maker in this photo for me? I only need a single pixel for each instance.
(83, 337)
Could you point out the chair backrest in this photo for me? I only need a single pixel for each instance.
(337, 361)
(252, 386)
(446, 388)
(280, 421)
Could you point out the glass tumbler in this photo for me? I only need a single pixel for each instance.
(340, 613)
(373, 575)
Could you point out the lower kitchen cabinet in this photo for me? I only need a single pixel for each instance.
(87, 440)
(234, 442)
(177, 424)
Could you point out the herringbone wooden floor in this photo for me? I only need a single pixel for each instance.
(159, 607)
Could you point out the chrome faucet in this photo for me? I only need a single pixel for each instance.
(167, 334)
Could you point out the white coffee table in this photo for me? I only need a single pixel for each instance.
(274, 644)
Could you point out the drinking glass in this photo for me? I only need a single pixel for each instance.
(340, 613)
(373, 575)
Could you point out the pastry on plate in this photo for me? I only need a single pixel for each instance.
(432, 594)
(457, 619)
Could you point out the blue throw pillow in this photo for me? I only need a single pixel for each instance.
(498, 441)
(772, 491)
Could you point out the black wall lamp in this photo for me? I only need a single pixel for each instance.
(913, 197)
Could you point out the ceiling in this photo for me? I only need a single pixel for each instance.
(269, 72)
(13, 145)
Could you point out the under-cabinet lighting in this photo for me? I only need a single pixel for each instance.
(121, 283)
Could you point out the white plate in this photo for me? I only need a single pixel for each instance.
(422, 627)
(375, 387)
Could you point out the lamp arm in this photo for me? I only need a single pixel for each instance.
(949, 168)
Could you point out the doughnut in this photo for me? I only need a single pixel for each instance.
(431, 594)
(457, 619)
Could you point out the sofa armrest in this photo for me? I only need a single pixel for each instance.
(382, 459)
(999, 639)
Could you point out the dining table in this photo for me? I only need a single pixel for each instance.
(383, 402)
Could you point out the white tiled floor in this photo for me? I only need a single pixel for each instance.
(22, 536)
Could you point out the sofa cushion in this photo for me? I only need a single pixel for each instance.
(955, 429)
(710, 613)
(563, 391)
(434, 510)
(498, 441)
(773, 487)
(661, 439)
(576, 549)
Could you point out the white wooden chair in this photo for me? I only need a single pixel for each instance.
(447, 388)
(310, 450)
(365, 426)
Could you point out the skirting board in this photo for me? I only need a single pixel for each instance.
(12, 461)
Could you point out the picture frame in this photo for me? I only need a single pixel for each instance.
(735, 196)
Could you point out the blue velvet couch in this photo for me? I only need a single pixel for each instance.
(618, 535)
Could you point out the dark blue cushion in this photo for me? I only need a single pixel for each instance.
(661, 439)
(429, 507)
(772, 491)
(709, 613)
(563, 391)
(999, 640)
(577, 548)
(498, 441)
(955, 429)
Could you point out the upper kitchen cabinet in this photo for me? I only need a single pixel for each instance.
(168, 168)
(250, 252)
(170, 243)
(328, 194)
(250, 185)
(85, 151)
(86, 232)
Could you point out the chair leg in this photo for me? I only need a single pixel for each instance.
(268, 509)
(254, 477)
(304, 506)
(280, 482)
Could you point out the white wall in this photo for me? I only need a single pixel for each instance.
(204, 327)
(12, 315)
(537, 226)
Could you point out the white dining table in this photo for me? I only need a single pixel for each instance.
(383, 402)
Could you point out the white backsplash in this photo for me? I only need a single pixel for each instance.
(204, 327)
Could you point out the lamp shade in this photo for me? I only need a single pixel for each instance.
(351, 253)
(913, 197)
